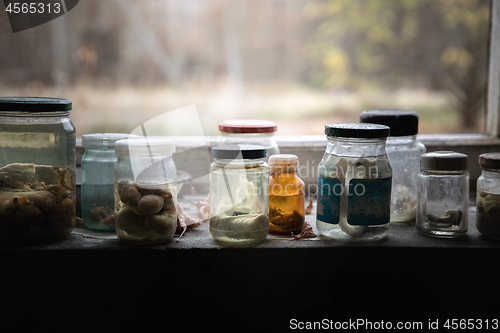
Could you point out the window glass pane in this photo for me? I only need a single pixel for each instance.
(301, 63)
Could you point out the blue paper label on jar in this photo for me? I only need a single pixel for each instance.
(369, 201)
(328, 206)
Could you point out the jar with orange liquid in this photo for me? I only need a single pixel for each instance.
(286, 195)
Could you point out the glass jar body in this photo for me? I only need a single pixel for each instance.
(286, 203)
(37, 176)
(262, 139)
(443, 203)
(404, 155)
(239, 200)
(98, 167)
(354, 190)
(488, 203)
(145, 202)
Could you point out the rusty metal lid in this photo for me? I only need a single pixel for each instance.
(34, 104)
(247, 126)
(444, 161)
(490, 161)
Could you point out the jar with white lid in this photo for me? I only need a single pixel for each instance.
(98, 175)
(354, 183)
(250, 132)
(145, 190)
(239, 194)
(37, 169)
(404, 151)
(443, 195)
(488, 196)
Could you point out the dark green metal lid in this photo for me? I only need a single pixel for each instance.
(34, 104)
(234, 151)
(357, 130)
(490, 161)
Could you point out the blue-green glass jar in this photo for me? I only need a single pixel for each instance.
(98, 166)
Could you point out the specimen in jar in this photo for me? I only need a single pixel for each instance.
(449, 218)
(36, 201)
(488, 214)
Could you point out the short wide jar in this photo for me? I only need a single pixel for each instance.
(488, 196)
(239, 194)
(37, 169)
(145, 191)
(443, 195)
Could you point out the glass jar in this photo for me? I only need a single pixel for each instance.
(443, 194)
(98, 175)
(145, 190)
(488, 196)
(354, 183)
(37, 169)
(286, 195)
(403, 151)
(239, 194)
(250, 132)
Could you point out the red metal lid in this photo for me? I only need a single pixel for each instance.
(247, 126)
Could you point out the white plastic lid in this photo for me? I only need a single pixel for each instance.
(283, 163)
(104, 140)
(145, 146)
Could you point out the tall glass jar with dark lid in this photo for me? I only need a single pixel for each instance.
(239, 194)
(37, 169)
(488, 196)
(404, 151)
(354, 183)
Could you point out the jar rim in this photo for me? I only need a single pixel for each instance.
(34, 104)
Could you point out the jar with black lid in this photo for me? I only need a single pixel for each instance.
(37, 169)
(354, 183)
(404, 151)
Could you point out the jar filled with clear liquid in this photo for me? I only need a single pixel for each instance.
(239, 194)
(98, 175)
(404, 151)
(354, 183)
(37, 169)
(145, 191)
(443, 195)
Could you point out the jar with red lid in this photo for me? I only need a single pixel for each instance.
(250, 132)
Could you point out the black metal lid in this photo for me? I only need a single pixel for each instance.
(234, 151)
(490, 161)
(401, 122)
(357, 130)
(34, 104)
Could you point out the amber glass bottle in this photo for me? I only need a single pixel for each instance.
(286, 195)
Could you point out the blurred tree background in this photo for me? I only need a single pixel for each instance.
(301, 63)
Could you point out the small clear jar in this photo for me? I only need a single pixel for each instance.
(286, 195)
(37, 169)
(443, 195)
(145, 190)
(488, 196)
(250, 132)
(239, 194)
(354, 183)
(404, 151)
(98, 175)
